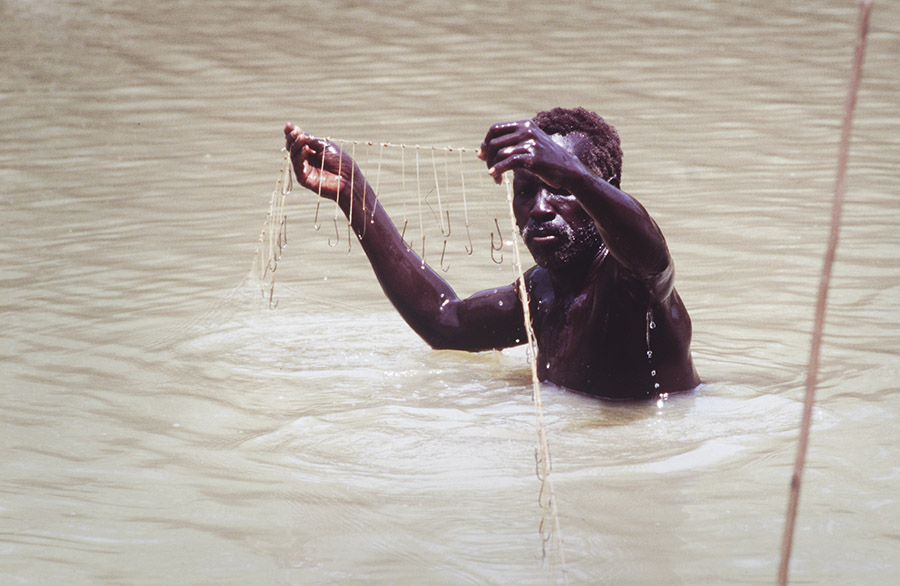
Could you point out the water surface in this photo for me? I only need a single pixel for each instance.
(159, 425)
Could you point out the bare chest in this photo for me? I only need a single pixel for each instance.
(592, 340)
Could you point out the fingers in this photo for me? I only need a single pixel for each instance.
(304, 148)
(521, 160)
(504, 139)
(295, 138)
(520, 155)
(305, 154)
(317, 161)
(497, 136)
(291, 136)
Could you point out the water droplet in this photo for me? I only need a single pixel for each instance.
(500, 303)
(652, 373)
(649, 353)
(652, 325)
(518, 341)
(548, 366)
(655, 385)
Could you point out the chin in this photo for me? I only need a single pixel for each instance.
(546, 257)
(555, 262)
(567, 256)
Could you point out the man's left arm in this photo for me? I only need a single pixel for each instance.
(631, 235)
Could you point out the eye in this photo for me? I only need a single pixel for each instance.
(523, 190)
(558, 191)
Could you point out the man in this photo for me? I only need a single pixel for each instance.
(605, 312)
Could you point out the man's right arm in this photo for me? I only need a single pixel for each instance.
(490, 319)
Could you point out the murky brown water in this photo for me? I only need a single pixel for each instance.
(158, 426)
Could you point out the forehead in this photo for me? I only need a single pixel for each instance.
(574, 142)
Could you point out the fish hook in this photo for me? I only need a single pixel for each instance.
(447, 235)
(316, 223)
(269, 272)
(496, 249)
(537, 465)
(443, 252)
(287, 178)
(337, 235)
(499, 232)
(403, 232)
(281, 242)
(469, 248)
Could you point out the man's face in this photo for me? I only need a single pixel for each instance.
(555, 228)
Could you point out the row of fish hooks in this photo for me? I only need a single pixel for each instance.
(443, 214)
(273, 237)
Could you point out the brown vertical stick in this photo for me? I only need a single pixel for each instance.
(865, 9)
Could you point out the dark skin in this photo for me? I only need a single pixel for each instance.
(603, 280)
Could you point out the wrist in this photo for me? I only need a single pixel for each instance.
(579, 179)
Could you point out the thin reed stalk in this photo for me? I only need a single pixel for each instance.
(865, 10)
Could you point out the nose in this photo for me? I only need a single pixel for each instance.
(542, 210)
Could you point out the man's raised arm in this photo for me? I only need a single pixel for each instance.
(628, 231)
(491, 319)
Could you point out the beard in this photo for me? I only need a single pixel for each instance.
(569, 246)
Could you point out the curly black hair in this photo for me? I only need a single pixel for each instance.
(605, 155)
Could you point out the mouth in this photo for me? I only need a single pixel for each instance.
(541, 236)
(543, 239)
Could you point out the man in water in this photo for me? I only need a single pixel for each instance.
(606, 316)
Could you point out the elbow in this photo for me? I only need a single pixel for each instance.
(443, 331)
(661, 284)
(656, 279)
(447, 341)
(436, 339)
(450, 333)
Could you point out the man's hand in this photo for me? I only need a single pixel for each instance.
(523, 145)
(307, 152)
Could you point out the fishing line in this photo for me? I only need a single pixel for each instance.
(273, 236)
(337, 206)
(543, 464)
(420, 198)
